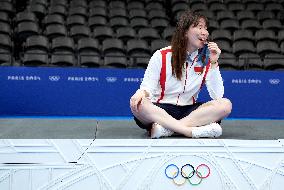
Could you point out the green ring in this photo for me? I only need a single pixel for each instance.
(194, 184)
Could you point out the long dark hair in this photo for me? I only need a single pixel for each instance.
(179, 40)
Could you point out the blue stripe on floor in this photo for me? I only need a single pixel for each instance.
(68, 117)
(109, 117)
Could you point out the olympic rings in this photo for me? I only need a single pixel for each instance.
(181, 183)
(175, 174)
(202, 177)
(191, 174)
(186, 175)
(194, 184)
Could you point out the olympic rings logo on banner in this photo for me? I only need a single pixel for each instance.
(54, 78)
(186, 174)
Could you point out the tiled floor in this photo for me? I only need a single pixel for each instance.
(89, 128)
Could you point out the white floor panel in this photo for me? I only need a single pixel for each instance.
(123, 164)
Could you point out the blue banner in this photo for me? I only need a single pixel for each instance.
(40, 91)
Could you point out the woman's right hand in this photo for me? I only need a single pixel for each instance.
(136, 99)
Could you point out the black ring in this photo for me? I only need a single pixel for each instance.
(192, 173)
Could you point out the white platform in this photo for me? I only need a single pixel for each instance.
(139, 164)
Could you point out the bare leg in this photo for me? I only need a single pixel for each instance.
(208, 112)
(149, 113)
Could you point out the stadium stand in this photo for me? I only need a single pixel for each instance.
(242, 28)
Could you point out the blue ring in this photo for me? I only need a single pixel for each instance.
(176, 172)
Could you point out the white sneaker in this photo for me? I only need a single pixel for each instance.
(212, 130)
(158, 131)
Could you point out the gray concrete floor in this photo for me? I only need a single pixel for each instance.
(43, 128)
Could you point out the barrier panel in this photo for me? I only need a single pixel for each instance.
(42, 91)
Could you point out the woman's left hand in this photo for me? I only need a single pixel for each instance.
(215, 52)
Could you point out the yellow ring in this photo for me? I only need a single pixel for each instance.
(178, 184)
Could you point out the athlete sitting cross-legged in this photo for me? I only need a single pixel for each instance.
(166, 101)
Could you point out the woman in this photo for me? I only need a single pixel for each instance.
(166, 100)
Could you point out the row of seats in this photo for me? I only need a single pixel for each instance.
(110, 45)
(226, 22)
(65, 59)
(259, 35)
(262, 47)
(82, 20)
(84, 8)
(91, 59)
(93, 24)
(27, 29)
(243, 40)
(81, 7)
(243, 62)
(222, 5)
(37, 48)
(43, 30)
(89, 52)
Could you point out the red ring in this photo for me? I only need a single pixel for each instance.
(197, 173)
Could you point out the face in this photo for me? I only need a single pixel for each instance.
(197, 35)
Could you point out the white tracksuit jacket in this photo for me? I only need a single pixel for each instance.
(163, 87)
